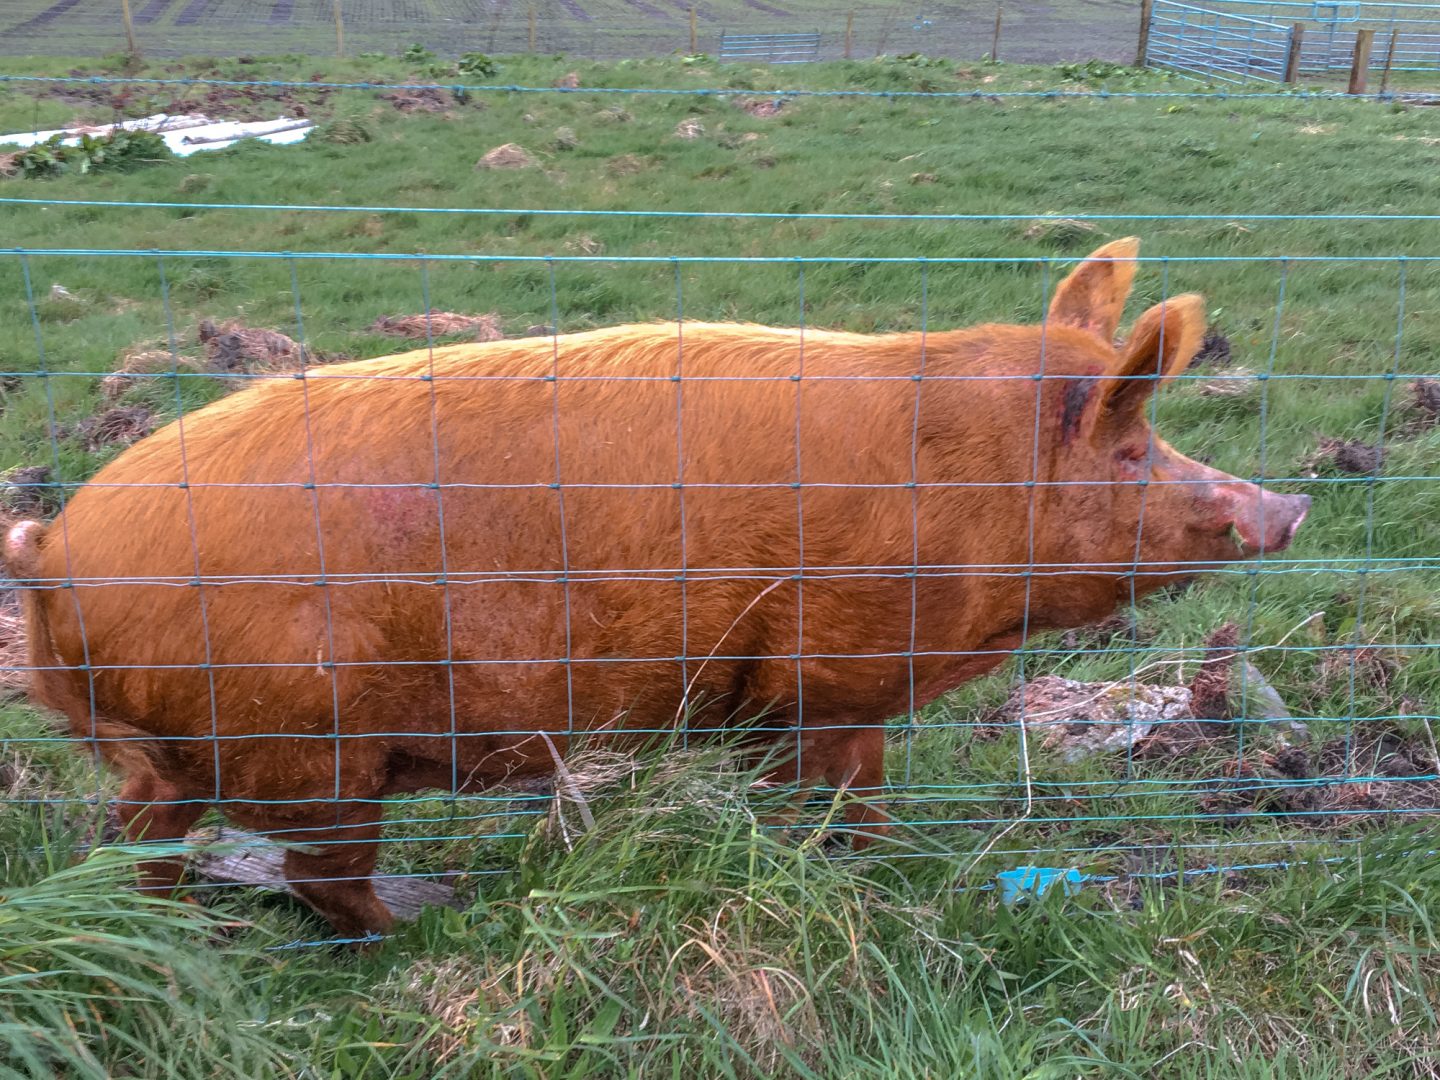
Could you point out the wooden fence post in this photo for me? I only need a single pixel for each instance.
(339, 30)
(1143, 47)
(849, 33)
(995, 41)
(1389, 61)
(532, 29)
(694, 40)
(1360, 65)
(129, 29)
(1292, 55)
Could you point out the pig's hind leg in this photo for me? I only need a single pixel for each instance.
(155, 811)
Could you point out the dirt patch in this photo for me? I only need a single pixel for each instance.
(508, 156)
(1235, 383)
(1214, 350)
(1421, 411)
(120, 425)
(1350, 781)
(425, 100)
(1373, 669)
(762, 108)
(141, 362)
(232, 347)
(28, 492)
(1121, 625)
(1344, 455)
(441, 324)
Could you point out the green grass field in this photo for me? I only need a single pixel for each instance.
(677, 937)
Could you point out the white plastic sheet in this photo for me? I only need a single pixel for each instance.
(184, 133)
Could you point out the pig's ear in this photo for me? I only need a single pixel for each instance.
(1094, 294)
(1162, 343)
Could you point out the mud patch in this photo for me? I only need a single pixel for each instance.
(1350, 456)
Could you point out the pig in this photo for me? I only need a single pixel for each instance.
(441, 568)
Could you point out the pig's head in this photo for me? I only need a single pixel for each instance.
(1120, 496)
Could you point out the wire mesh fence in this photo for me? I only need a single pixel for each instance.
(598, 29)
(1278, 41)
(950, 579)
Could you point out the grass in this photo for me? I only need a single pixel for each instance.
(675, 936)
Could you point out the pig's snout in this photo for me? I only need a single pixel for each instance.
(1266, 521)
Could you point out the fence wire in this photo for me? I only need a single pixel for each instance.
(596, 29)
(413, 590)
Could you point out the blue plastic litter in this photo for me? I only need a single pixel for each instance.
(1025, 882)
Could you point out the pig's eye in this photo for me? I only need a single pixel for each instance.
(1130, 454)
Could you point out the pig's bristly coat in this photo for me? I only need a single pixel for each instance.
(390, 575)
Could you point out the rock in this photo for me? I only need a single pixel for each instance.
(1078, 719)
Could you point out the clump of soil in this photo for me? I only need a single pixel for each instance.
(1214, 350)
(28, 493)
(232, 347)
(1236, 383)
(425, 100)
(1349, 781)
(140, 362)
(762, 108)
(1210, 689)
(569, 81)
(1058, 230)
(119, 425)
(507, 156)
(1345, 455)
(441, 324)
(565, 139)
(689, 128)
(1121, 625)
(1421, 413)
(1374, 669)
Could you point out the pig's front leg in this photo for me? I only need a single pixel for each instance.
(849, 758)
